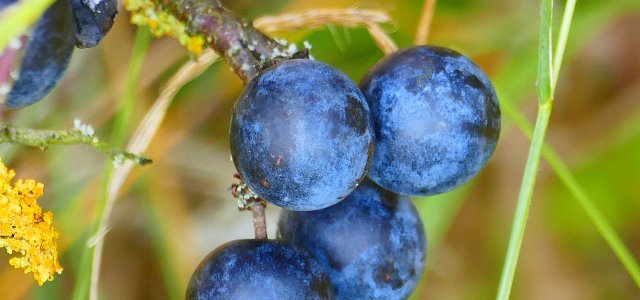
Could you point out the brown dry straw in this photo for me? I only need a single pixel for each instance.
(424, 25)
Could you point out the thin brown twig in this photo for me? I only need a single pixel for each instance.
(424, 25)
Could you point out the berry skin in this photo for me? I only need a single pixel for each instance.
(436, 119)
(301, 135)
(373, 242)
(259, 269)
(47, 55)
(94, 19)
(6, 3)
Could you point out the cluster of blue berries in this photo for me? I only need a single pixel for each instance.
(33, 64)
(303, 136)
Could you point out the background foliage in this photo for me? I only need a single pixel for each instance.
(172, 213)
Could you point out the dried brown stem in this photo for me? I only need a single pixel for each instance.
(259, 221)
(318, 18)
(424, 25)
(384, 42)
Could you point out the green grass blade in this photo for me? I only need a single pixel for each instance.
(562, 42)
(17, 18)
(544, 53)
(561, 170)
(584, 200)
(127, 102)
(88, 272)
(545, 102)
(524, 201)
(604, 228)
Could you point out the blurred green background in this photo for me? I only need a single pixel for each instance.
(172, 213)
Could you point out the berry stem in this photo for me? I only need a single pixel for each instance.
(241, 45)
(259, 221)
(247, 200)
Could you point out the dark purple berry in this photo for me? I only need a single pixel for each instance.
(301, 135)
(259, 269)
(94, 19)
(436, 118)
(25, 79)
(373, 242)
(6, 3)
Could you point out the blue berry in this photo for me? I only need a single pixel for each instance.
(259, 269)
(436, 119)
(373, 242)
(6, 3)
(301, 135)
(47, 55)
(94, 19)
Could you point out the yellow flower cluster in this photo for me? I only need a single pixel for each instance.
(25, 229)
(162, 23)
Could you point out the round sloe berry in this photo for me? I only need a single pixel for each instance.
(47, 55)
(94, 19)
(301, 135)
(373, 242)
(436, 119)
(259, 269)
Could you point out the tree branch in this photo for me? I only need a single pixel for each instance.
(242, 46)
(81, 134)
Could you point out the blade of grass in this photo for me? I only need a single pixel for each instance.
(524, 201)
(18, 17)
(90, 268)
(545, 102)
(584, 200)
(558, 166)
(562, 42)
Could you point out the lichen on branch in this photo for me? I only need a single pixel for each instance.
(80, 134)
(243, 47)
(162, 23)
